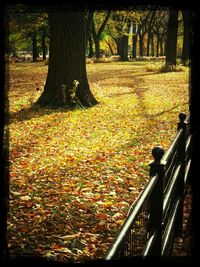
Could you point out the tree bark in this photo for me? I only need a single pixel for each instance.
(186, 36)
(171, 44)
(124, 48)
(149, 31)
(88, 22)
(148, 43)
(161, 47)
(44, 47)
(91, 52)
(141, 45)
(34, 47)
(134, 42)
(152, 45)
(67, 62)
(96, 41)
(157, 46)
(110, 47)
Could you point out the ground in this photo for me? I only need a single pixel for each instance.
(74, 174)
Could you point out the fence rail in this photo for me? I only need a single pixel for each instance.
(156, 217)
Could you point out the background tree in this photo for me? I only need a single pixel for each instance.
(186, 36)
(90, 48)
(67, 78)
(134, 40)
(143, 29)
(96, 33)
(171, 42)
(26, 30)
(88, 25)
(119, 27)
(150, 31)
(160, 30)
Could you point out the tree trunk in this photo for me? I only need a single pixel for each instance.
(157, 46)
(148, 43)
(110, 47)
(150, 33)
(134, 48)
(44, 47)
(67, 62)
(134, 41)
(152, 45)
(124, 48)
(118, 43)
(88, 22)
(171, 44)
(91, 52)
(96, 41)
(34, 47)
(141, 45)
(161, 48)
(186, 36)
(96, 36)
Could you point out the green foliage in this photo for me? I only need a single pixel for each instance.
(21, 27)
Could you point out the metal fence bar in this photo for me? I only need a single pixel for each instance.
(156, 200)
(155, 218)
(180, 185)
(118, 241)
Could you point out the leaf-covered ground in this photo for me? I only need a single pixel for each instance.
(73, 175)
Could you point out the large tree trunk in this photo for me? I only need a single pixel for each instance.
(186, 36)
(67, 62)
(171, 44)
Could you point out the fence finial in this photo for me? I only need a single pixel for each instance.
(182, 116)
(157, 153)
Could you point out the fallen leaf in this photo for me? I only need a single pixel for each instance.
(25, 197)
(102, 216)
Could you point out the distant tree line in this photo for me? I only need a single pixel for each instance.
(72, 34)
(129, 33)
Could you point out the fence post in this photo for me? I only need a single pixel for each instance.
(156, 200)
(181, 158)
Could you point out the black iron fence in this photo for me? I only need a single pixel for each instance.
(156, 217)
